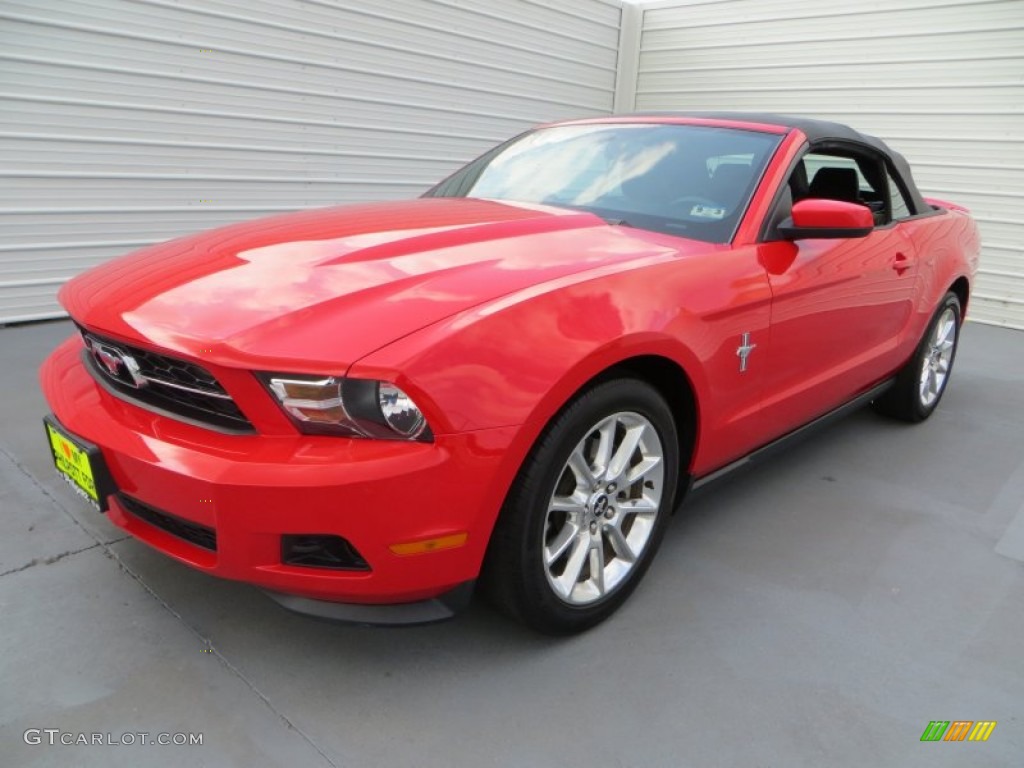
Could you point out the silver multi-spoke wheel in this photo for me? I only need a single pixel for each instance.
(589, 507)
(921, 382)
(604, 508)
(937, 358)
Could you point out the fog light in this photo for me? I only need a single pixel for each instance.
(321, 551)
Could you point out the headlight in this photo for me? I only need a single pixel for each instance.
(399, 411)
(354, 407)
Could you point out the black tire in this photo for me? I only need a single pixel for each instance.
(908, 400)
(518, 575)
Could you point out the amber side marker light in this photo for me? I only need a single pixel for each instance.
(429, 545)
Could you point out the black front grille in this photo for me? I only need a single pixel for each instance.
(171, 371)
(164, 383)
(193, 533)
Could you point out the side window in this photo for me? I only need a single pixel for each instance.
(853, 178)
(814, 162)
(848, 176)
(900, 209)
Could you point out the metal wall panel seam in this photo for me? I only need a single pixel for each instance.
(524, 25)
(77, 244)
(843, 38)
(139, 209)
(628, 62)
(252, 54)
(828, 63)
(163, 75)
(971, 140)
(968, 166)
(846, 87)
(124, 176)
(29, 318)
(449, 31)
(994, 297)
(246, 116)
(193, 44)
(549, 6)
(828, 14)
(32, 283)
(994, 219)
(952, 191)
(824, 113)
(665, 10)
(59, 137)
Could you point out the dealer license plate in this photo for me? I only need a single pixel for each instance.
(80, 465)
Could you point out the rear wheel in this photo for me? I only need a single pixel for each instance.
(587, 511)
(920, 385)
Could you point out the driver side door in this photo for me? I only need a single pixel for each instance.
(838, 304)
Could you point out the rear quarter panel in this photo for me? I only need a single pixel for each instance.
(948, 247)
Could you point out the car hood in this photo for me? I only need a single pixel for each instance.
(331, 285)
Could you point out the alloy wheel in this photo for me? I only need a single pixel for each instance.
(604, 508)
(937, 358)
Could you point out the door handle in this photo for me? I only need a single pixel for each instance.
(901, 263)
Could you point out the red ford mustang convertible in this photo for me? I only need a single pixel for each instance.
(514, 380)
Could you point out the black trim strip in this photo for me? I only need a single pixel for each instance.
(764, 232)
(440, 608)
(189, 531)
(790, 438)
(792, 232)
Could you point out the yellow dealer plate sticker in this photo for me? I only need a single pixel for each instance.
(75, 466)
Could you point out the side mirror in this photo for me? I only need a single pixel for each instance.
(822, 218)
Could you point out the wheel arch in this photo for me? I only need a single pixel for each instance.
(670, 380)
(673, 383)
(962, 288)
(659, 367)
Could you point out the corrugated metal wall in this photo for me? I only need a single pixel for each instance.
(124, 123)
(942, 81)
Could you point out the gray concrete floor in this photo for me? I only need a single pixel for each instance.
(818, 611)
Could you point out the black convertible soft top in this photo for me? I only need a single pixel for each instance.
(817, 132)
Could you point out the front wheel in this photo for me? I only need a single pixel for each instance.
(922, 382)
(587, 511)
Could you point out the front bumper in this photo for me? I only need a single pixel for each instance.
(253, 489)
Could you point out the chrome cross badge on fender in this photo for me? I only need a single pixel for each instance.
(743, 351)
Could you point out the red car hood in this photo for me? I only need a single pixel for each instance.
(332, 285)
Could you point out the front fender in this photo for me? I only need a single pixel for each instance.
(517, 360)
(515, 363)
(519, 363)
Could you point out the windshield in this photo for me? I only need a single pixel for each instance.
(687, 180)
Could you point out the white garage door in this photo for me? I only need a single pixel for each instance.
(942, 81)
(124, 123)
